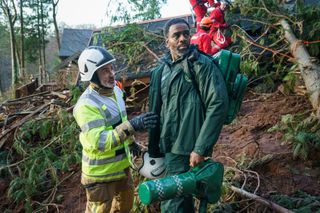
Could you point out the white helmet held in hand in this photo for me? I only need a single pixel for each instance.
(91, 59)
(152, 168)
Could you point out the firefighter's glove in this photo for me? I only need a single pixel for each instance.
(144, 121)
(135, 149)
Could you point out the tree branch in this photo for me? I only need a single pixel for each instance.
(261, 200)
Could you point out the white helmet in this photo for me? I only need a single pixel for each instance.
(226, 2)
(91, 59)
(152, 168)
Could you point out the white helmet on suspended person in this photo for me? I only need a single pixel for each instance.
(91, 59)
(225, 2)
(152, 168)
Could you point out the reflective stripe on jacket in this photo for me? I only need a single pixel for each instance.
(103, 154)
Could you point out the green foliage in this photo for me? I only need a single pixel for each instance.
(75, 94)
(24, 187)
(132, 10)
(130, 44)
(301, 131)
(3, 162)
(290, 80)
(260, 18)
(249, 67)
(36, 22)
(137, 205)
(298, 202)
(48, 148)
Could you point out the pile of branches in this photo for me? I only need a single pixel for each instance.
(39, 149)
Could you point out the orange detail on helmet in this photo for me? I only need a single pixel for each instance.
(206, 21)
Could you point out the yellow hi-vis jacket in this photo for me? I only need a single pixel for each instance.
(103, 155)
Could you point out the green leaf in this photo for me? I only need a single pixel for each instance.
(296, 150)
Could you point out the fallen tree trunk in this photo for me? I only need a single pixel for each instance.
(309, 70)
(261, 200)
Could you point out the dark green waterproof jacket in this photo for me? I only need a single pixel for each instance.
(188, 121)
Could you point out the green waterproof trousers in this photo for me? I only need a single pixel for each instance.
(177, 164)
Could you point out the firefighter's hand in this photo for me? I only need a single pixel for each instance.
(195, 159)
(144, 121)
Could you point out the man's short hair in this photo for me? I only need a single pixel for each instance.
(173, 22)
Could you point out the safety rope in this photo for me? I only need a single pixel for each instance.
(311, 42)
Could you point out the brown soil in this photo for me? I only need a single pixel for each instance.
(249, 140)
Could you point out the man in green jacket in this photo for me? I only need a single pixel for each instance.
(189, 94)
(105, 135)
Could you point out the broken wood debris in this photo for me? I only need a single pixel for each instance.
(16, 112)
(261, 200)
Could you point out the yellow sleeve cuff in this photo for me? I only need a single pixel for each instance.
(124, 130)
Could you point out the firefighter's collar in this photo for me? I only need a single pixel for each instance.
(102, 90)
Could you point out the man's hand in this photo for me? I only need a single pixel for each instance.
(144, 121)
(195, 159)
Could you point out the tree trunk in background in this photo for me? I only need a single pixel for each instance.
(0, 87)
(54, 16)
(43, 43)
(309, 70)
(39, 43)
(22, 57)
(14, 63)
(9, 9)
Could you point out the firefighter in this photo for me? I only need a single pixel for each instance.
(105, 135)
(219, 24)
(200, 9)
(203, 39)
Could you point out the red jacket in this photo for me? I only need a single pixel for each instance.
(203, 40)
(201, 2)
(217, 16)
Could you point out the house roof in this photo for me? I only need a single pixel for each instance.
(74, 40)
(155, 26)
